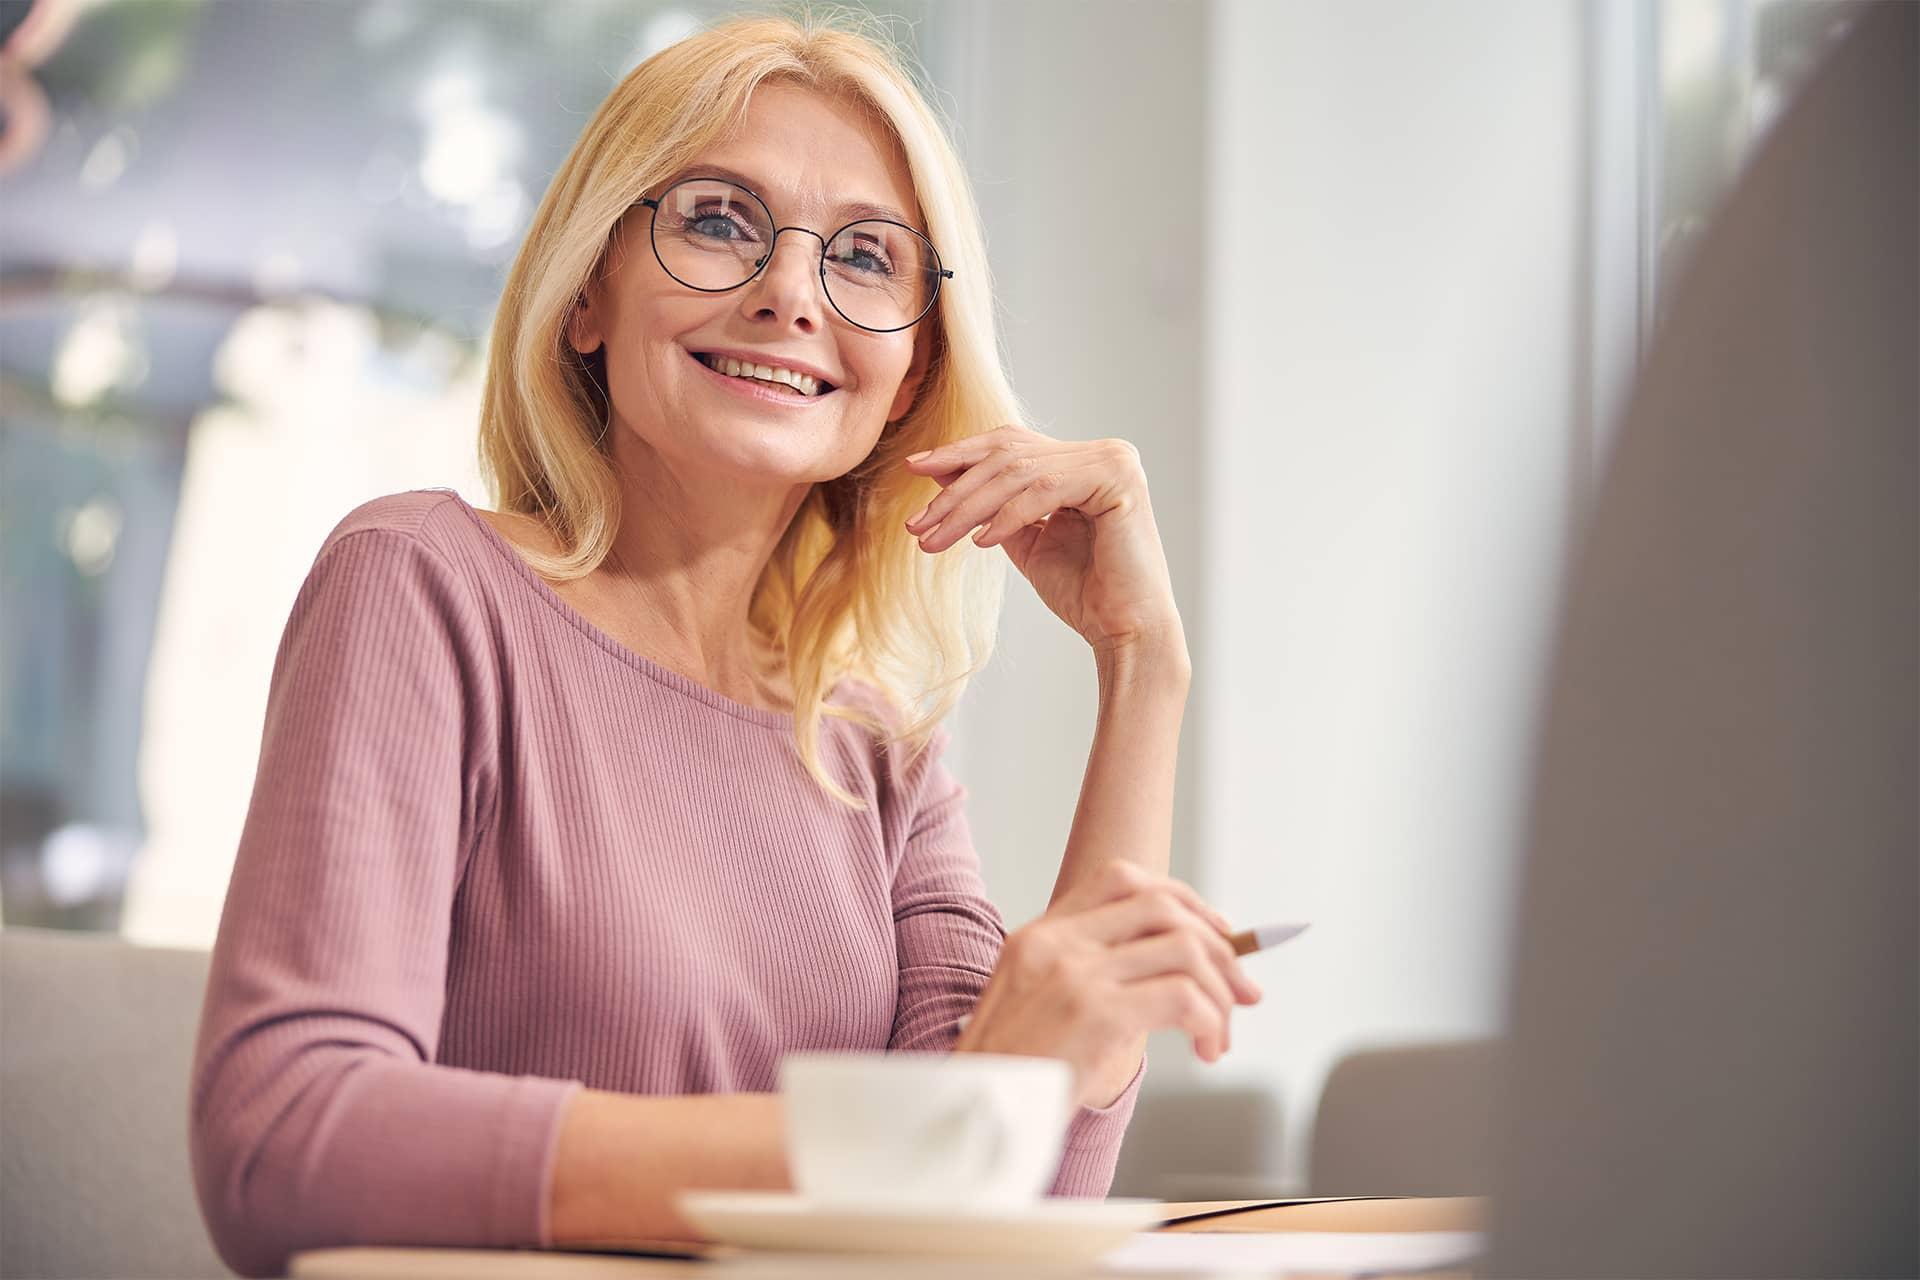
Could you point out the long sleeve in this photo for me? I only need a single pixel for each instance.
(318, 1114)
(949, 936)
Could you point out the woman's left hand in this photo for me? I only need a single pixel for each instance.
(1074, 519)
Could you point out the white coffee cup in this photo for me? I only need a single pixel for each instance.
(964, 1130)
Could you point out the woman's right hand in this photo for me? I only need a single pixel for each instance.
(1131, 952)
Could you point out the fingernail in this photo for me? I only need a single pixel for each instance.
(918, 517)
(915, 457)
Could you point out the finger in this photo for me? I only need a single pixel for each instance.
(1038, 501)
(962, 453)
(1175, 1000)
(1174, 953)
(1123, 879)
(963, 485)
(945, 478)
(1156, 909)
(1164, 909)
(1032, 481)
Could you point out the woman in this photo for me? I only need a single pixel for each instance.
(572, 817)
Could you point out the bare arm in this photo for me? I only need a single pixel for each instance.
(621, 1158)
(1076, 521)
(1126, 800)
(1125, 811)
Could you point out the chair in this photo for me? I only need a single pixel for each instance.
(1192, 1143)
(96, 1041)
(1413, 1120)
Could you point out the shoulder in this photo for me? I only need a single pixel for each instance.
(436, 519)
(422, 535)
(418, 558)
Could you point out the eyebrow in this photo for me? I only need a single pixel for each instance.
(854, 209)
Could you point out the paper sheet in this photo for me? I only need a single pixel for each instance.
(1269, 1252)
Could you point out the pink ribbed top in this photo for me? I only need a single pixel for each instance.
(493, 855)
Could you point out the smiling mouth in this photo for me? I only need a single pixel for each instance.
(788, 380)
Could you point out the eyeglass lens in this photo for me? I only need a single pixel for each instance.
(713, 235)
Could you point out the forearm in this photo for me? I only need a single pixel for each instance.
(621, 1158)
(1126, 802)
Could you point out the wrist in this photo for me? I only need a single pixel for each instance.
(1158, 663)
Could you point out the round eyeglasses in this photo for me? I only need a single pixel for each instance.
(714, 236)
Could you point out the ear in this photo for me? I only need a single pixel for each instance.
(583, 324)
(916, 371)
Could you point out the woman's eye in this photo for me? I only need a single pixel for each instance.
(715, 226)
(866, 258)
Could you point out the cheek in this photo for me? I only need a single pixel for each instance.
(640, 341)
(882, 363)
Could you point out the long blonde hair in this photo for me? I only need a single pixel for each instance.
(845, 593)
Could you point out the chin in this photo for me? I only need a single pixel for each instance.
(777, 464)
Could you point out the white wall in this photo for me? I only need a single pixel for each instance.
(1392, 376)
(1081, 126)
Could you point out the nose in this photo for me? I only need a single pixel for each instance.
(787, 289)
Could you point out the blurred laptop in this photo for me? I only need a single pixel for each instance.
(1716, 992)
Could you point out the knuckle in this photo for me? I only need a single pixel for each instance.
(1044, 953)
(1167, 893)
(1124, 452)
(1049, 481)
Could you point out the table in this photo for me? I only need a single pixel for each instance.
(374, 1263)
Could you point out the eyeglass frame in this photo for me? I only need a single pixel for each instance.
(940, 272)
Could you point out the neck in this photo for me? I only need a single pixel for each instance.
(690, 549)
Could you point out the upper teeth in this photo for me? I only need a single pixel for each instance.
(800, 382)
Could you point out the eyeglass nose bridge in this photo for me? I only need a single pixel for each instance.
(773, 243)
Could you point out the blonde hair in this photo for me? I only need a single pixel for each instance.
(845, 594)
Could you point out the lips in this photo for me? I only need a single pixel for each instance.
(781, 373)
(754, 388)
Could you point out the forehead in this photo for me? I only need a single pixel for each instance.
(814, 157)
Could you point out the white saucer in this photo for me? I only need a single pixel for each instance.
(1049, 1230)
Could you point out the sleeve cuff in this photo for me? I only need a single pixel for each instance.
(1093, 1143)
(529, 1143)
